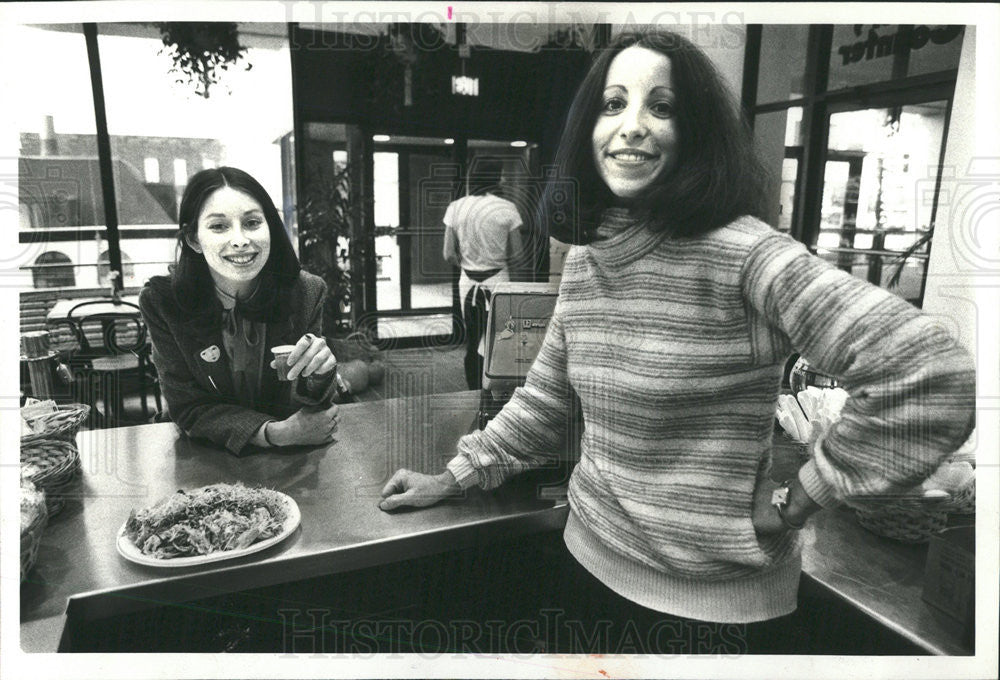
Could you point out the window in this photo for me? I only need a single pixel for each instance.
(180, 172)
(151, 118)
(151, 169)
(782, 50)
(863, 54)
(778, 137)
(104, 267)
(235, 125)
(53, 270)
(855, 130)
(60, 207)
(386, 189)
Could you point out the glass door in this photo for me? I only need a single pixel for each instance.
(414, 181)
(405, 292)
(882, 169)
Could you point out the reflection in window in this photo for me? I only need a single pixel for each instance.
(786, 193)
(53, 269)
(878, 162)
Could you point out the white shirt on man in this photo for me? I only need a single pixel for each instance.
(482, 225)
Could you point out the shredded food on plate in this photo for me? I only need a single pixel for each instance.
(208, 520)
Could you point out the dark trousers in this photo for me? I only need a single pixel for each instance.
(475, 316)
(581, 615)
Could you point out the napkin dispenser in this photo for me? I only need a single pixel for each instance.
(518, 320)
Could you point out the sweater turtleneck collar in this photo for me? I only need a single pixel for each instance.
(622, 238)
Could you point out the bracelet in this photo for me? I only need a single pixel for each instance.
(266, 438)
(779, 499)
(784, 518)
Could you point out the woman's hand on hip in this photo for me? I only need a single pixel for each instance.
(307, 426)
(311, 356)
(418, 490)
(765, 516)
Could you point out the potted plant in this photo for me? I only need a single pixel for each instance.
(325, 223)
(325, 219)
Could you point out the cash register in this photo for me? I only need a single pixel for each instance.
(518, 319)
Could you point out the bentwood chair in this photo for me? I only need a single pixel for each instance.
(113, 350)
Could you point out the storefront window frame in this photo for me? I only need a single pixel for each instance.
(818, 103)
(109, 230)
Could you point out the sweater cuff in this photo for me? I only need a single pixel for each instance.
(465, 474)
(818, 489)
(240, 438)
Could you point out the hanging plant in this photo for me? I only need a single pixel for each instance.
(201, 51)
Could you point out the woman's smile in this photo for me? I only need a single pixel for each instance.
(234, 238)
(241, 260)
(635, 138)
(632, 157)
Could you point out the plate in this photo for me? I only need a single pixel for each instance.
(131, 552)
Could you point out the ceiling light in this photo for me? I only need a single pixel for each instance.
(381, 138)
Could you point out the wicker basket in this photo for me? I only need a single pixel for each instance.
(964, 502)
(63, 423)
(914, 520)
(58, 462)
(31, 538)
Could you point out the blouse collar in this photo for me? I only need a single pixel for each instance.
(229, 301)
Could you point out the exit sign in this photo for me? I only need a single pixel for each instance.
(465, 86)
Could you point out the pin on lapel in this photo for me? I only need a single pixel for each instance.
(210, 354)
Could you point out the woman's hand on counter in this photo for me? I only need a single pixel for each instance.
(308, 426)
(418, 490)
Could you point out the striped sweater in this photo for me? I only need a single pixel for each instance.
(675, 348)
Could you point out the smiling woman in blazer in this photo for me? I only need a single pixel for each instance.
(236, 291)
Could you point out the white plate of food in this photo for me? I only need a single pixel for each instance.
(208, 524)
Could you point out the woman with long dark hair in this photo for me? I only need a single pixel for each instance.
(236, 291)
(676, 313)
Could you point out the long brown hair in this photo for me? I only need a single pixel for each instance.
(717, 178)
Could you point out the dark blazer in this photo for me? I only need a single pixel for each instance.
(194, 370)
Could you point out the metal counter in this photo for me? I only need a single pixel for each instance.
(79, 575)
